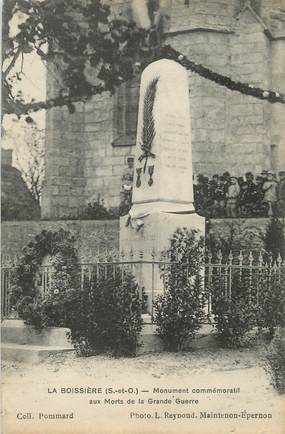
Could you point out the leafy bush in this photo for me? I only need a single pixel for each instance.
(276, 360)
(274, 242)
(97, 211)
(106, 316)
(43, 312)
(103, 316)
(179, 312)
(216, 242)
(30, 311)
(235, 314)
(271, 306)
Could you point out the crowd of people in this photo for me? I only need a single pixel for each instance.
(245, 196)
(228, 196)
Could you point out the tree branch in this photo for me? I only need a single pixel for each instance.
(18, 108)
(12, 64)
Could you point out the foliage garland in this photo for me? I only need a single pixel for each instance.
(114, 49)
(167, 52)
(60, 246)
(222, 80)
(105, 315)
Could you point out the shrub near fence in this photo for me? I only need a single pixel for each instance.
(276, 360)
(241, 291)
(101, 305)
(106, 314)
(179, 311)
(245, 291)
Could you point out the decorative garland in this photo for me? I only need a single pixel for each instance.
(166, 52)
(246, 89)
(60, 246)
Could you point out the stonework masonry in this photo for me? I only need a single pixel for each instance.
(230, 131)
(94, 236)
(91, 236)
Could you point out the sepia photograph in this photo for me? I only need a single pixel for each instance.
(143, 217)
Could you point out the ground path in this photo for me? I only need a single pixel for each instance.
(27, 389)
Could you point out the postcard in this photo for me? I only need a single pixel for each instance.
(143, 206)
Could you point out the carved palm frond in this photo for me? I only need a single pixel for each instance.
(148, 132)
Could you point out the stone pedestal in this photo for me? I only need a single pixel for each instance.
(148, 244)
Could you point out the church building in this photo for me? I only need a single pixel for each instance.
(88, 152)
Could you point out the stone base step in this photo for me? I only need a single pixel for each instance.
(29, 353)
(151, 342)
(23, 343)
(16, 332)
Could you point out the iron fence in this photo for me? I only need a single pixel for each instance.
(258, 271)
(5, 291)
(218, 271)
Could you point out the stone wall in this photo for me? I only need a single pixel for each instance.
(247, 234)
(104, 163)
(230, 131)
(64, 188)
(91, 235)
(201, 14)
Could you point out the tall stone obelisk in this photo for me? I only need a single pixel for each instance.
(162, 198)
(164, 128)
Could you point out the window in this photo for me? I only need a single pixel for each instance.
(126, 113)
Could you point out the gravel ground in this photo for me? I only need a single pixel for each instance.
(38, 390)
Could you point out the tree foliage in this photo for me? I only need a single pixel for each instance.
(30, 158)
(274, 242)
(179, 312)
(92, 50)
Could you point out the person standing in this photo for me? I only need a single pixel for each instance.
(251, 194)
(127, 187)
(281, 194)
(220, 197)
(260, 208)
(200, 195)
(227, 180)
(270, 193)
(232, 197)
(264, 175)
